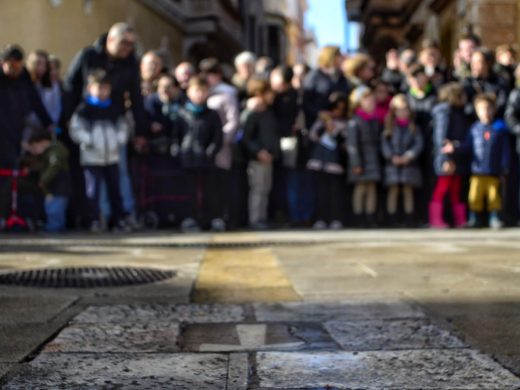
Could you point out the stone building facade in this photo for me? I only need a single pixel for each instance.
(182, 29)
(395, 23)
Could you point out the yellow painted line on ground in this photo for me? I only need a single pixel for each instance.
(242, 276)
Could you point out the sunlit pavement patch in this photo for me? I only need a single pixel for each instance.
(343, 311)
(125, 371)
(255, 337)
(148, 313)
(419, 369)
(152, 337)
(391, 335)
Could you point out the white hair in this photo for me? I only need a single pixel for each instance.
(246, 57)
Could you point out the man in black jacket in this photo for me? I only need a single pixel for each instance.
(18, 98)
(113, 53)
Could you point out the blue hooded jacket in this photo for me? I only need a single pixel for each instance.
(489, 148)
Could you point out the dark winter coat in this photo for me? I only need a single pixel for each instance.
(451, 124)
(261, 132)
(363, 143)
(199, 138)
(402, 142)
(422, 109)
(167, 114)
(287, 109)
(124, 76)
(492, 84)
(18, 98)
(512, 115)
(395, 78)
(489, 148)
(317, 87)
(327, 149)
(54, 175)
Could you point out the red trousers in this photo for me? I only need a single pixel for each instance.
(447, 184)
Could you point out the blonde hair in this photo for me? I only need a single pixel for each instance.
(397, 102)
(352, 66)
(357, 95)
(327, 56)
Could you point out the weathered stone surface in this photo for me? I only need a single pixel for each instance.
(391, 335)
(125, 371)
(255, 337)
(37, 307)
(98, 338)
(4, 368)
(238, 371)
(342, 311)
(148, 313)
(421, 369)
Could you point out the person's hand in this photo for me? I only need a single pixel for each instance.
(357, 171)
(448, 167)
(156, 127)
(397, 160)
(264, 157)
(405, 160)
(448, 148)
(392, 59)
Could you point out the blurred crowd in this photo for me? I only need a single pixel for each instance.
(124, 143)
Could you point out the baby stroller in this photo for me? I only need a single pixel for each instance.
(14, 222)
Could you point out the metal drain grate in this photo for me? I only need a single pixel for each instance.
(85, 277)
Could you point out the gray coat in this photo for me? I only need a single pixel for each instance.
(363, 142)
(402, 142)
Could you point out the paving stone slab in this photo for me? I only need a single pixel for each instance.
(4, 368)
(328, 311)
(19, 340)
(418, 369)
(38, 307)
(148, 313)
(123, 371)
(238, 372)
(391, 335)
(153, 337)
(256, 337)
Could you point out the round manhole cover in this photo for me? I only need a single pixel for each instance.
(85, 277)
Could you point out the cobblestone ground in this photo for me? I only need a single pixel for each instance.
(348, 310)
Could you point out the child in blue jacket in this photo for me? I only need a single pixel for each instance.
(488, 144)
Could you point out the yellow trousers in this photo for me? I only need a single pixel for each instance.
(482, 188)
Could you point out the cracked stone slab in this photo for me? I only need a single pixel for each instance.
(343, 311)
(391, 335)
(148, 313)
(99, 338)
(34, 308)
(255, 337)
(418, 369)
(125, 371)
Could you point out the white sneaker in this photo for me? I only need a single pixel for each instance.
(319, 225)
(190, 225)
(218, 225)
(336, 225)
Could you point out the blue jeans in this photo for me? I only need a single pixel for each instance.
(94, 177)
(55, 211)
(300, 195)
(125, 188)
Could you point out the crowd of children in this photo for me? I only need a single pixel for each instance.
(344, 144)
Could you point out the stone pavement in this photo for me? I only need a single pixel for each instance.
(291, 310)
